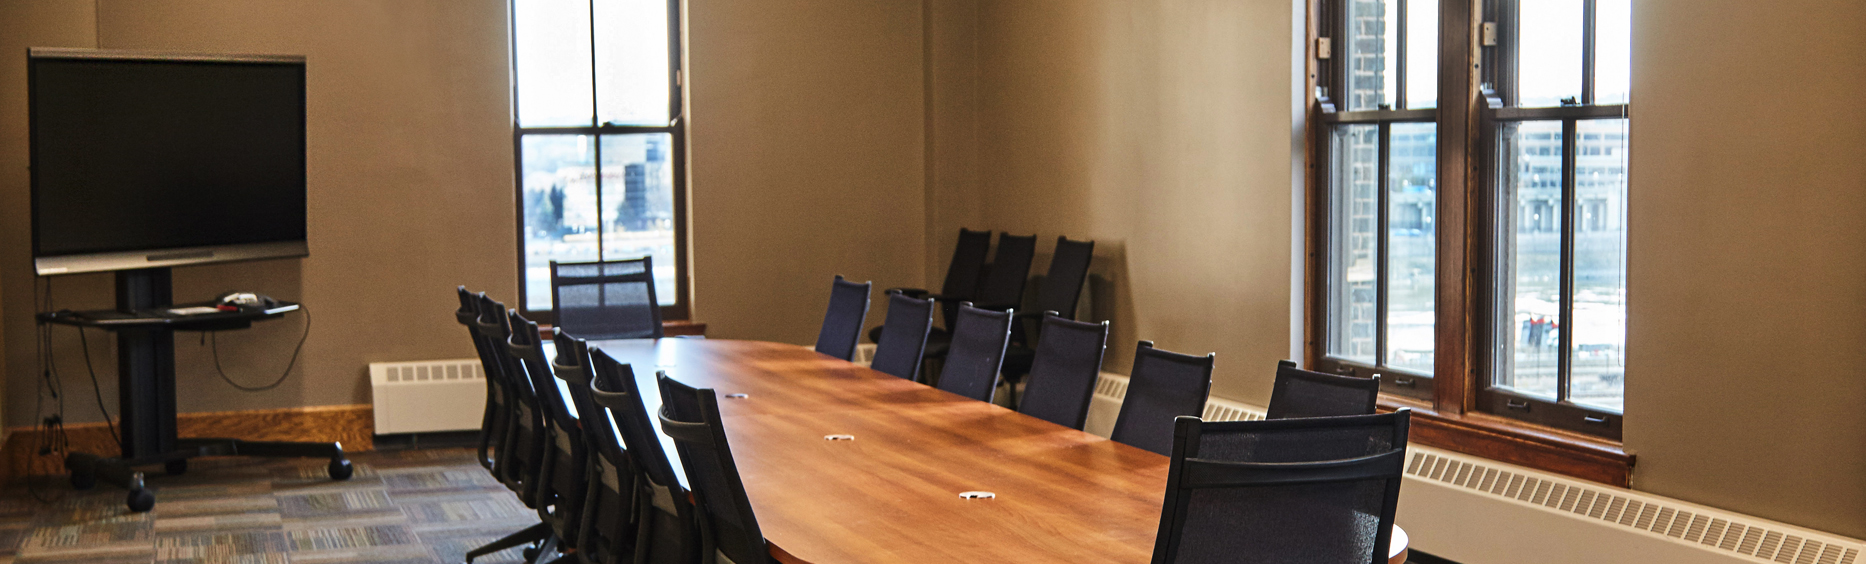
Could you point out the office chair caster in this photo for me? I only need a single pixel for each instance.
(141, 500)
(83, 479)
(340, 469)
(176, 467)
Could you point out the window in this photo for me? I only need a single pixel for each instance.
(1533, 274)
(1557, 335)
(600, 139)
(1383, 195)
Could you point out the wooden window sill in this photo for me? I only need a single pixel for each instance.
(1516, 442)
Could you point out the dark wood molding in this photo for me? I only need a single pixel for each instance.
(352, 425)
(1543, 448)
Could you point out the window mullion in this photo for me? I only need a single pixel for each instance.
(1588, 39)
(1399, 65)
(1380, 242)
(1564, 361)
(596, 139)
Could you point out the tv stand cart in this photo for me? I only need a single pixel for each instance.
(146, 388)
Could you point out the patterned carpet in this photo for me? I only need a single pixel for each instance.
(401, 507)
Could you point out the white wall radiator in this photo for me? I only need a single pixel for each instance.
(427, 396)
(1478, 511)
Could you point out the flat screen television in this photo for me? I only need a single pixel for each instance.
(149, 160)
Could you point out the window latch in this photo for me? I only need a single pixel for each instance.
(1519, 405)
(1405, 382)
(1595, 419)
(1489, 34)
(1324, 48)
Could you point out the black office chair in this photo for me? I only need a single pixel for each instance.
(962, 275)
(665, 518)
(606, 531)
(1063, 376)
(1001, 290)
(1060, 291)
(494, 419)
(1316, 490)
(1302, 393)
(909, 320)
(977, 353)
(606, 300)
(560, 491)
(691, 417)
(842, 322)
(1162, 385)
(519, 461)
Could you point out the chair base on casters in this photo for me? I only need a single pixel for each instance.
(538, 533)
(86, 468)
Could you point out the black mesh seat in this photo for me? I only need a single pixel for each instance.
(665, 516)
(492, 430)
(1002, 289)
(962, 274)
(977, 353)
(519, 459)
(1317, 490)
(842, 322)
(560, 489)
(909, 320)
(1302, 393)
(605, 529)
(1163, 385)
(1062, 378)
(1059, 292)
(606, 300)
(691, 417)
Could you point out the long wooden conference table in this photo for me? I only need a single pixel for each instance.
(887, 487)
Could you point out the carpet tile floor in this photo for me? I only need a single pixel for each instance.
(401, 507)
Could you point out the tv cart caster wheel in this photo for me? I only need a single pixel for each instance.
(340, 469)
(176, 467)
(83, 479)
(141, 500)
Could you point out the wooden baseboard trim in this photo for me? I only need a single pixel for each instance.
(351, 425)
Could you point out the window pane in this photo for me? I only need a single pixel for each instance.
(1613, 51)
(632, 62)
(1531, 258)
(1353, 227)
(559, 197)
(1548, 58)
(552, 46)
(1598, 373)
(1371, 37)
(638, 192)
(1412, 200)
(1422, 54)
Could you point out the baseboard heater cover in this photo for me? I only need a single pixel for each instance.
(427, 396)
(1479, 511)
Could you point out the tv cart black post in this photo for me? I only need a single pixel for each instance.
(146, 388)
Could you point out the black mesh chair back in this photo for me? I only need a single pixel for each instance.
(842, 323)
(1302, 393)
(560, 490)
(691, 417)
(493, 421)
(1163, 385)
(665, 518)
(606, 300)
(521, 454)
(1317, 490)
(604, 531)
(968, 262)
(1003, 287)
(1062, 286)
(977, 352)
(1063, 374)
(909, 320)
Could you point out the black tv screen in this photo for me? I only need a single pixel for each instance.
(153, 160)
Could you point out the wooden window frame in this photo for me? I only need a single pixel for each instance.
(676, 128)
(1448, 417)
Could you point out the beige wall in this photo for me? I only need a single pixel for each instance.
(409, 189)
(807, 139)
(1747, 319)
(1162, 131)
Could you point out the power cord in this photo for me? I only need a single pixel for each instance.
(96, 390)
(214, 345)
(50, 434)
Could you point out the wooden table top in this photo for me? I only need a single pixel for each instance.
(892, 493)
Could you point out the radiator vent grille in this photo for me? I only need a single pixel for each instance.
(1757, 539)
(403, 372)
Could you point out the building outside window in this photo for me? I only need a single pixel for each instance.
(600, 140)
